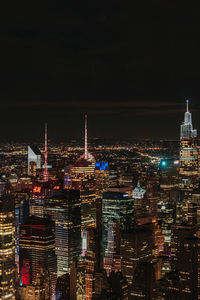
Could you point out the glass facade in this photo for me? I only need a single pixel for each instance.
(117, 206)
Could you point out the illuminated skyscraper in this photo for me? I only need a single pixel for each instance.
(80, 176)
(116, 206)
(101, 177)
(34, 159)
(37, 200)
(139, 201)
(7, 248)
(169, 194)
(187, 130)
(37, 248)
(188, 155)
(112, 261)
(64, 207)
(21, 213)
(189, 163)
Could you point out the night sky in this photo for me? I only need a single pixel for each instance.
(128, 64)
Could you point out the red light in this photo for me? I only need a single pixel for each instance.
(56, 187)
(26, 277)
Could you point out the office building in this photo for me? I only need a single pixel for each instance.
(7, 247)
(118, 206)
(37, 248)
(64, 208)
(135, 247)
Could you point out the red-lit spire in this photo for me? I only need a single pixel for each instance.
(45, 173)
(86, 145)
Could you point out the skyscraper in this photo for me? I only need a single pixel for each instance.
(185, 253)
(64, 208)
(80, 176)
(135, 247)
(189, 163)
(187, 130)
(7, 247)
(139, 201)
(37, 247)
(116, 206)
(37, 200)
(21, 213)
(188, 172)
(34, 159)
(112, 261)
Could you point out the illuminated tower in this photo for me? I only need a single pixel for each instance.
(81, 176)
(112, 260)
(7, 248)
(139, 201)
(189, 165)
(45, 173)
(86, 146)
(187, 130)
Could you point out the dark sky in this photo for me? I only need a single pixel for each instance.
(129, 64)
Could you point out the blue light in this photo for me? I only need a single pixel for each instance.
(67, 180)
(101, 165)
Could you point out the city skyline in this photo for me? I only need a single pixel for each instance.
(116, 131)
(115, 221)
(100, 150)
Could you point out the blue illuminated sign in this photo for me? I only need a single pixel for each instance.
(101, 165)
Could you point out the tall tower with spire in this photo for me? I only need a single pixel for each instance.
(189, 162)
(187, 130)
(45, 173)
(81, 176)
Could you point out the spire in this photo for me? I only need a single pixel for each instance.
(187, 105)
(45, 173)
(86, 146)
